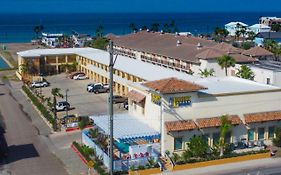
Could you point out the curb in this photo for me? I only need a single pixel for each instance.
(77, 128)
(79, 154)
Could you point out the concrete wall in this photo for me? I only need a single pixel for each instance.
(261, 76)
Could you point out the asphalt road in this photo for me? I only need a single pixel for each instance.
(27, 152)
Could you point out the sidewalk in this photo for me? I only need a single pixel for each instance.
(58, 143)
(232, 168)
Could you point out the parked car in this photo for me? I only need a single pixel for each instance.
(126, 105)
(69, 119)
(98, 88)
(38, 84)
(119, 99)
(106, 86)
(91, 85)
(62, 106)
(80, 77)
(72, 75)
(73, 120)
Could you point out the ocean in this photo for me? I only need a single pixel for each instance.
(19, 27)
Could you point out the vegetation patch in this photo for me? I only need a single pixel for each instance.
(38, 104)
(89, 154)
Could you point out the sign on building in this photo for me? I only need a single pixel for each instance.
(156, 99)
(176, 102)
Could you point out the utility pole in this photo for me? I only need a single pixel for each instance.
(66, 91)
(111, 64)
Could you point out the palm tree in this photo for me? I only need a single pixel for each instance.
(251, 35)
(224, 129)
(56, 93)
(206, 73)
(38, 29)
(220, 33)
(166, 28)
(133, 27)
(173, 27)
(225, 62)
(245, 72)
(269, 44)
(99, 31)
(237, 34)
(155, 27)
(144, 27)
(243, 32)
(23, 71)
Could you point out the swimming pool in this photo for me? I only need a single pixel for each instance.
(3, 64)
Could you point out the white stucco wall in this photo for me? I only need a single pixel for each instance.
(261, 76)
(206, 106)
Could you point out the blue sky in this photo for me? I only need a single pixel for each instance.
(78, 6)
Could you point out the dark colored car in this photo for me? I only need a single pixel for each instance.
(72, 75)
(98, 89)
(119, 99)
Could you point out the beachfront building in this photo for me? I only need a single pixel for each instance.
(257, 28)
(51, 39)
(182, 53)
(262, 36)
(167, 107)
(269, 21)
(233, 27)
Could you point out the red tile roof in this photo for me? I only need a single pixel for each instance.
(172, 85)
(239, 58)
(136, 96)
(210, 53)
(227, 48)
(257, 52)
(180, 125)
(262, 117)
(216, 121)
(166, 45)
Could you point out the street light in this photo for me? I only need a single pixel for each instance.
(66, 111)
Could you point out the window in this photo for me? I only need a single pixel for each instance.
(216, 138)
(267, 80)
(206, 138)
(261, 134)
(271, 132)
(228, 137)
(177, 143)
(251, 134)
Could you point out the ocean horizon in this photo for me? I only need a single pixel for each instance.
(17, 28)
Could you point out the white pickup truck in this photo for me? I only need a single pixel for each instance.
(80, 77)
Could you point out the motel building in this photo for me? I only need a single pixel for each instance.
(167, 107)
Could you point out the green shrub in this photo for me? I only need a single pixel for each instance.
(38, 105)
(81, 150)
(141, 167)
(277, 141)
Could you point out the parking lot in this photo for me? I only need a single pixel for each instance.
(83, 102)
